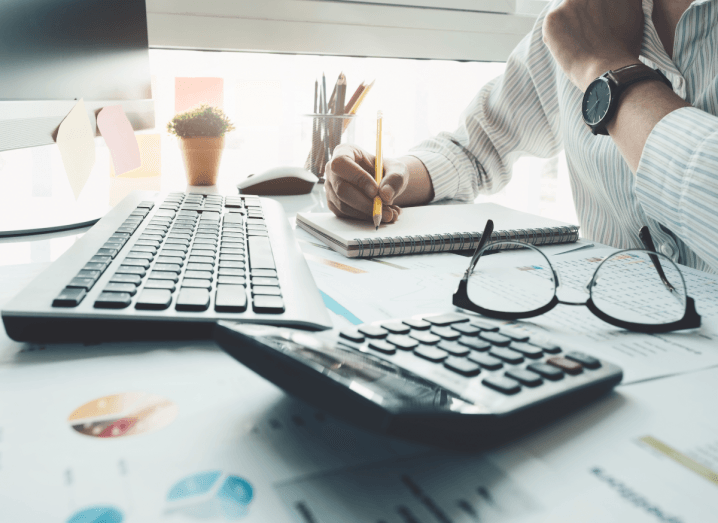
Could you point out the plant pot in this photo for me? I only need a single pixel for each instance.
(202, 156)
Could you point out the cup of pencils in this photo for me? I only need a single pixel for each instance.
(332, 121)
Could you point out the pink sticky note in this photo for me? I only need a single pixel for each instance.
(120, 138)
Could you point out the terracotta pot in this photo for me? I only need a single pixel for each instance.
(202, 156)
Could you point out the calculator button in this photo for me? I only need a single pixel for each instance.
(441, 320)
(431, 353)
(507, 355)
(382, 346)
(484, 325)
(396, 328)
(462, 366)
(402, 342)
(372, 331)
(547, 371)
(425, 337)
(352, 335)
(525, 377)
(549, 347)
(154, 299)
(501, 384)
(446, 333)
(514, 333)
(486, 361)
(495, 338)
(453, 348)
(528, 350)
(69, 297)
(475, 343)
(584, 359)
(466, 329)
(419, 325)
(566, 365)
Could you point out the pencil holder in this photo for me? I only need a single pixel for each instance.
(327, 131)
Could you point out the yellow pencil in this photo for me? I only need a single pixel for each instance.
(378, 171)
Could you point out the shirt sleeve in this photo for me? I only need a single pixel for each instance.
(512, 116)
(677, 179)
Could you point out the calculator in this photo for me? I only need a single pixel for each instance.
(449, 379)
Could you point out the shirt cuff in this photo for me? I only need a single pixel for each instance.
(672, 157)
(450, 181)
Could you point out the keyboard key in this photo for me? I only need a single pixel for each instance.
(475, 343)
(262, 281)
(129, 288)
(100, 259)
(525, 377)
(502, 384)
(171, 267)
(352, 335)
(197, 284)
(528, 350)
(232, 280)
(462, 366)
(547, 371)
(486, 361)
(267, 291)
(484, 325)
(160, 284)
(200, 267)
(126, 278)
(139, 255)
(431, 353)
(268, 304)
(203, 250)
(495, 338)
(231, 265)
(192, 299)
(453, 348)
(566, 365)
(178, 260)
(260, 253)
(230, 272)
(584, 359)
(382, 346)
(201, 275)
(69, 297)
(152, 237)
(147, 243)
(372, 331)
(441, 320)
(136, 262)
(201, 259)
(113, 245)
(113, 300)
(425, 337)
(231, 257)
(89, 274)
(163, 275)
(507, 355)
(144, 248)
(466, 329)
(82, 283)
(203, 241)
(154, 299)
(263, 273)
(446, 333)
(417, 324)
(402, 342)
(257, 233)
(131, 269)
(228, 250)
(397, 328)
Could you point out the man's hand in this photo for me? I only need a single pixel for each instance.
(589, 37)
(351, 187)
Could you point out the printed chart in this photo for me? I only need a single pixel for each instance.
(211, 495)
(97, 515)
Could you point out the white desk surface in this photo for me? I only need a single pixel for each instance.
(647, 452)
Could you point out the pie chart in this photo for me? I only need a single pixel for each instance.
(211, 495)
(125, 414)
(97, 515)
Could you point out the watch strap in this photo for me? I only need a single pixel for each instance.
(634, 73)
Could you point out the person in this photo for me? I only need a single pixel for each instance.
(658, 166)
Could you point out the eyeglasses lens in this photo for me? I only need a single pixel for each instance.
(628, 287)
(500, 284)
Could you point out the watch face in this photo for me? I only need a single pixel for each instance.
(596, 101)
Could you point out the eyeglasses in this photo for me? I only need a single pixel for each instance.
(635, 289)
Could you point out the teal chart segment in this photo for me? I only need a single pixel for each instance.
(339, 309)
(97, 515)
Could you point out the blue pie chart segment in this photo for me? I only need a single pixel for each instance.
(210, 495)
(97, 515)
(194, 485)
(234, 496)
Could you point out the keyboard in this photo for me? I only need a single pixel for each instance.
(451, 379)
(168, 266)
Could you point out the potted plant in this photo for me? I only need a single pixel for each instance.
(201, 132)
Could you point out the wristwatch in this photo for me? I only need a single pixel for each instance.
(601, 97)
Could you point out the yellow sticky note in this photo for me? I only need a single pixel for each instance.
(119, 136)
(77, 147)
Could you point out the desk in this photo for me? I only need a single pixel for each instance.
(224, 444)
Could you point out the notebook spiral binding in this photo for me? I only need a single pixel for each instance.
(388, 246)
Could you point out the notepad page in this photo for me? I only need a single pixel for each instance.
(427, 220)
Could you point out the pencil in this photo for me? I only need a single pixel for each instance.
(378, 172)
(338, 109)
(357, 103)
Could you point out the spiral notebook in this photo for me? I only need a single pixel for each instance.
(434, 228)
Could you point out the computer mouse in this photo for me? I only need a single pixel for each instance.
(279, 181)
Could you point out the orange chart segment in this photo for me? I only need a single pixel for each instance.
(125, 414)
(334, 264)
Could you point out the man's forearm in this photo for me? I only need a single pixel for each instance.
(640, 108)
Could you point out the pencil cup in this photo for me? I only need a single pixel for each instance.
(327, 131)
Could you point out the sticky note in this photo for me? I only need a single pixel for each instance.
(77, 147)
(120, 138)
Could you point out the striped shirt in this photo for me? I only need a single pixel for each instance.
(533, 109)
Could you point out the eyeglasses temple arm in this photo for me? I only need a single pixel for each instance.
(645, 236)
(485, 237)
